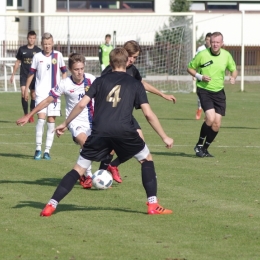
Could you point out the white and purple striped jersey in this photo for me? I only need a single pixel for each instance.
(73, 93)
(46, 70)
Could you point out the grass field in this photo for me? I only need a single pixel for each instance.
(216, 201)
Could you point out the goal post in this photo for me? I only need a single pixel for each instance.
(167, 41)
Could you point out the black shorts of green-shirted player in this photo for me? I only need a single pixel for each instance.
(116, 94)
(209, 67)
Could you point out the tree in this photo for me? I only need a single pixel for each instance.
(180, 5)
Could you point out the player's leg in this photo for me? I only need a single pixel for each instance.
(39, 133)
(113, 166)
(23, 100)
(212, 132)
(94, 149)
(199, 110)
(65, 186)
(53, 110)
(149, 180)
(80, 132)
(33, 97)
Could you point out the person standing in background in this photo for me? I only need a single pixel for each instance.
(103, 52)
(45, 66)
(24, 58)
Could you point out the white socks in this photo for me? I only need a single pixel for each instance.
(54, 203)
(39, 133)
(50, 136)
(152, 199)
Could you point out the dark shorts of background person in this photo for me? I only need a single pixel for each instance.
(212, 100)
(23, 82)
(98, 148)
(136, 125)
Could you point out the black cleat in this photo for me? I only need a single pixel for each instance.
(198, 150)
(207, 154)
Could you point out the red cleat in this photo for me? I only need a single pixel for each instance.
(155, 208)
(85, 182)
(115, 173)
(198, 113)
(31, 119)
(47, 211)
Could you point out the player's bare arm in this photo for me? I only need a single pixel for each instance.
(155, 123)
(28, 83)
(23, 120)
(16, 66)
(233, 77)
(64, 75)
(74, 113)
(155, 91)
(198, 76)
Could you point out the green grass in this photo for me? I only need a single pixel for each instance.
(216, 200)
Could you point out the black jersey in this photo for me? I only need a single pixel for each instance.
(131, 70)
(25, 55)
(116, 95)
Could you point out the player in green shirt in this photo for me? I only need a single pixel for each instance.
(209, 68)
(103, 52)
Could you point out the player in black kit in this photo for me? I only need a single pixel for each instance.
(116, 94)
(133, 49)
(24, 57)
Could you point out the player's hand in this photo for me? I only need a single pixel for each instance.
(60, 129)
(206, 78)
(12, 79)
(232, 80)
(23, 120)
(168, 141)
(169, 97)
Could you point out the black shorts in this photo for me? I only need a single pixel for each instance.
(212, 100)
(23, 82)
(136, 125)
(98, 148)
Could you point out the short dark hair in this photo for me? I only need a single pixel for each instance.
(132, 47)
(74, 58)
(31, 33)
(108, 35)
(118, 58)
(208, 35)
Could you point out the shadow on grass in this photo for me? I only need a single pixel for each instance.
(23, 156)
(175, 154)
(49, 182)
(240, 127)
(69, 207)
(178, 119)
(2, 121)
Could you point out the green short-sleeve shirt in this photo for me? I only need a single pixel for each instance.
(214, 66)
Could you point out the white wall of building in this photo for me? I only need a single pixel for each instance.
(162, 6)
(230, 26)
(2, 21)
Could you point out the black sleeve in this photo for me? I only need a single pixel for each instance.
(100, 55)
(137, 74)
(106, 70)
(19, 54)
(141, 96)
(91, 92)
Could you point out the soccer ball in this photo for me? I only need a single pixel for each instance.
(102, 179)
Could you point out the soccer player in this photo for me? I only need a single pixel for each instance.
(209, 68)
(115, 96)
(201, 48)
(24, 58)
(133, 49)
(103, 52)
(73, 88)
(45, 66)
